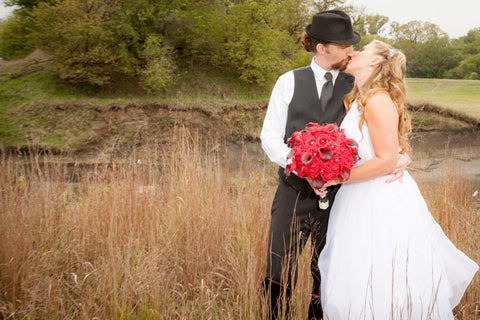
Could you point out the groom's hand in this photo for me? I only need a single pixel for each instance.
(402, 163)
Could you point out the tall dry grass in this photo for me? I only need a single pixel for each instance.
(168, 233)
(455, 205)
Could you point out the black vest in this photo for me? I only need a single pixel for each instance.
(305, 108)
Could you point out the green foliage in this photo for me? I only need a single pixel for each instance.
(416, 32)
(23, 90)
(202, 32)
(291, 16)
(470, 68)
(376, 23)
(97, 43)
(472, 42)
(27, 4)
(321, 5)
(303, 58)
(473, 76)
(431, 59)
(82, 36)
(429, 51)
(257, 50)
(159, 69)
(15, 36)
(365, 40)
(255, 39)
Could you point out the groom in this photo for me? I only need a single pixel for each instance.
(310, 94)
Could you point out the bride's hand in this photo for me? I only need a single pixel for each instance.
(333, 182)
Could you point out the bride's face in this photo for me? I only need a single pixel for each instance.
(362, 60)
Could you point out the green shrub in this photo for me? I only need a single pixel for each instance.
(159, 69)
(84, 39)
(15, 36)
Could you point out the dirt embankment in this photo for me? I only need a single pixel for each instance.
(87, 129)
(87, 133)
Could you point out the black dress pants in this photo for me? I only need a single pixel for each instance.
(295, 217)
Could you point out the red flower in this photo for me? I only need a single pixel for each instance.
(321, 153)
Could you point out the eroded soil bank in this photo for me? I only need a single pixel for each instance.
(87, 133)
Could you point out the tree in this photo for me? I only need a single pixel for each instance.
(292, 15)
(159, 66)
(359, 22)
(15, 36)
(471, 42)
(256, 40)
(470, 68)
(203, 30)
(27, 4)
(255, 48)
(428, 49)
(416, 31)
(433, 59)
(81, 35)
(376, 23)
(322, 5)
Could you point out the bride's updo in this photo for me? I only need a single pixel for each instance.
(388, 76)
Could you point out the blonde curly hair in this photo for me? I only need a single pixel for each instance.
(389, 77)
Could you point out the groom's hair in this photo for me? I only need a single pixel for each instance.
(310, 44)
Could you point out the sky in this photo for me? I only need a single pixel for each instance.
(456, 18)
(4, 11)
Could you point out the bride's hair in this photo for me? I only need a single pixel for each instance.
(389, 76)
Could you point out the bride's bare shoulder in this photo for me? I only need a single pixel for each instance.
(379, 98)
(380, 106)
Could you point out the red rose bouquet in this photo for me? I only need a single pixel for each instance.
(321, 153)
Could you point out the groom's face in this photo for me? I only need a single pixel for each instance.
(338, 55)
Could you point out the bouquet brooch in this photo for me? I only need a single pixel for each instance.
(321, 153)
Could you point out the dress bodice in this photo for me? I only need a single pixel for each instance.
(351, 126)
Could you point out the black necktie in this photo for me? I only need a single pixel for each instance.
(327, 91)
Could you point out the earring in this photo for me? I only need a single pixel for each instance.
(369, 68)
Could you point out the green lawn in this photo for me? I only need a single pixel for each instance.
(461, 96)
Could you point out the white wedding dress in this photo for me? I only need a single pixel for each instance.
(385, 256)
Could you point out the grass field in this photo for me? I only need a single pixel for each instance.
(166, 233)
(461, 96)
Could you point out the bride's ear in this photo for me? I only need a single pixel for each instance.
(374, 62)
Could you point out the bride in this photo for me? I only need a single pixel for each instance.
(385, 256)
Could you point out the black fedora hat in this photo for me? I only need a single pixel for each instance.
(332, 26)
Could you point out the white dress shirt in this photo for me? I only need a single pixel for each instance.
(273, 130)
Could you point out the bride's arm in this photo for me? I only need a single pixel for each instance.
(382, 120)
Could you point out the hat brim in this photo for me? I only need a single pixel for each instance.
(353, 38)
